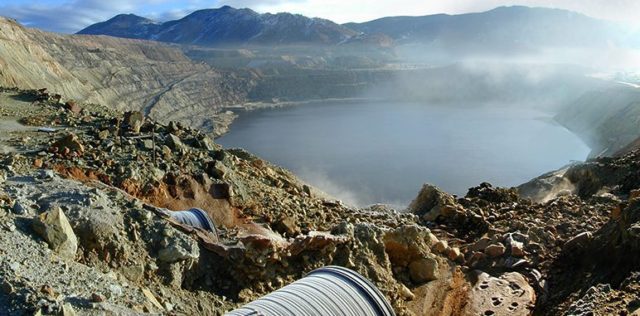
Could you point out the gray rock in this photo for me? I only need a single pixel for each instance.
(18, 208)
(133, 273)
(174, 143)
(173, 127)
(47, 174)
(179, 247)
(206, 143)
(217, 169)
(54, 227)
(147, 144)
(115, 290)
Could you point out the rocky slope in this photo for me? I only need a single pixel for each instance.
(227, 26)
(155, 78)
(606, 119)
(81, 200)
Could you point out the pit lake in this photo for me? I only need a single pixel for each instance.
(382, 152)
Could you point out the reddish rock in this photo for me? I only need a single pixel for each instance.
(67, 145)
(98, 298)
(441, 246)
(287, 226)
(495, 250)
(73, 107)
(453, 253)
(47, 289)
(475, 258)
(517, 249)
(38, 163)
(481, 244)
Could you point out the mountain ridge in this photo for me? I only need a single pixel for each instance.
(513, 28)
(227, 25)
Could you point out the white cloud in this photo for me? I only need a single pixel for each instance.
(359, 11)
(67, 17)
(70, 16)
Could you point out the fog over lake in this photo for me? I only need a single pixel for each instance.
(382, 152)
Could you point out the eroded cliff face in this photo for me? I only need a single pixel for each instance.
(155, 78)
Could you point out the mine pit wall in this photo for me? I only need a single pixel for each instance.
(606, 119)
(123, 73)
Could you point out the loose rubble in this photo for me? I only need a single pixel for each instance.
(82, 199)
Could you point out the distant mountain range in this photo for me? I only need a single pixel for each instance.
(226, 26)
(515, 28)
(510, 28)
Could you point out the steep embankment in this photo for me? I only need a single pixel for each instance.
(607, 119)
(120, 72)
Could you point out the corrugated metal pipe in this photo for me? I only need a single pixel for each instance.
(327, 291)
(194, 217)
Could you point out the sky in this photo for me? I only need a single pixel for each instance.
(70, 16)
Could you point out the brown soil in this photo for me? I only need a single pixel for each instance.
(441, 297)
(185, 194)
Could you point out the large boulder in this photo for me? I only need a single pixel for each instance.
(408, 243)
(54, 227)
(507, 294)
(175, 143)
(432, 202)
(409, 250)
(423, 270)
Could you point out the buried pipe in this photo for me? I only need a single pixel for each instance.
(331, 290)
(194, 217)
